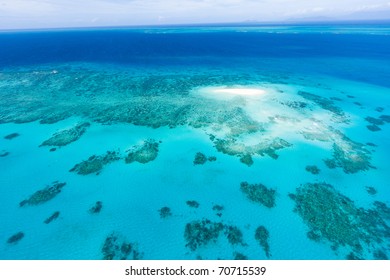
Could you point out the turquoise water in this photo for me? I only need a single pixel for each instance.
(300, 114)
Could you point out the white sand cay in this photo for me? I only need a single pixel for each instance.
(224, 92)
(240, 91)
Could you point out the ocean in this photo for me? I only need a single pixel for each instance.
(195, 142)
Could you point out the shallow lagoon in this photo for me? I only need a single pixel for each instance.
(264, 118)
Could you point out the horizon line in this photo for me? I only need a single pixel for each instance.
(248, 23)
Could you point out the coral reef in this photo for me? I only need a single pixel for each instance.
(66, 136)
(4, 153)
(373, 127)
(149, 99)
(350, 156)
(201, 233)
(267, 147)
(145, 153)
(44, 195)
(239, 256)
(385, 118)
(200, 158)
(94, 164)
(262, 236)
(116, 247)
(234, 235)
(165, 212)
(352, 256)
(313, 169)
(371, 190)
(379, 109)
(247, 160)
(96, 208)
(11, 136)
(192, 203)
(218, 209)
(295, 104)
(259, 193)
(382, 210)
(375, 121)
(332, 216)
(325, 104)
(380, 255)
(15, 238)
(53, 217)
(212, 158)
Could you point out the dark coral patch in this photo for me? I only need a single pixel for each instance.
(373, 127)
(262, 236)
(96, 208)
(200, 158)
(11, 136)
(192, 203)
(352, 157)
(313, 169)
(165, 212)
(53, 217)
(4, 153)
(334, 217)
(15, 238)
(201, 233)
(234, 235)
(44, 195)
(95, 164)
(116, 247)
(259, 193)
(66, 136)
(145, 153)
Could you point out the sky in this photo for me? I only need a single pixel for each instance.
(22, 14)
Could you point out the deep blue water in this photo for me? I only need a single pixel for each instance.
(199, 47)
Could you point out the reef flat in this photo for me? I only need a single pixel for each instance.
(334, 217)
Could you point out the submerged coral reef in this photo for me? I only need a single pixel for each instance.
(313, 169)
(347, 154)
(234, 235)
(53, 217)
(201, 158)
(262, 236)
(96, 208)
(259, 193)
(11, 136)
(326, 104)
(165, 212)
(15, 238)
(192, 203)
(233, 147)
(67, 136)
(95, 164)
(44, 195)
(200, 233)
(351, 157)
(4, 153)
(116, 247)
(332, 216)
(145, 153)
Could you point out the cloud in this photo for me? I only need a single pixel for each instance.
(61, 13)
